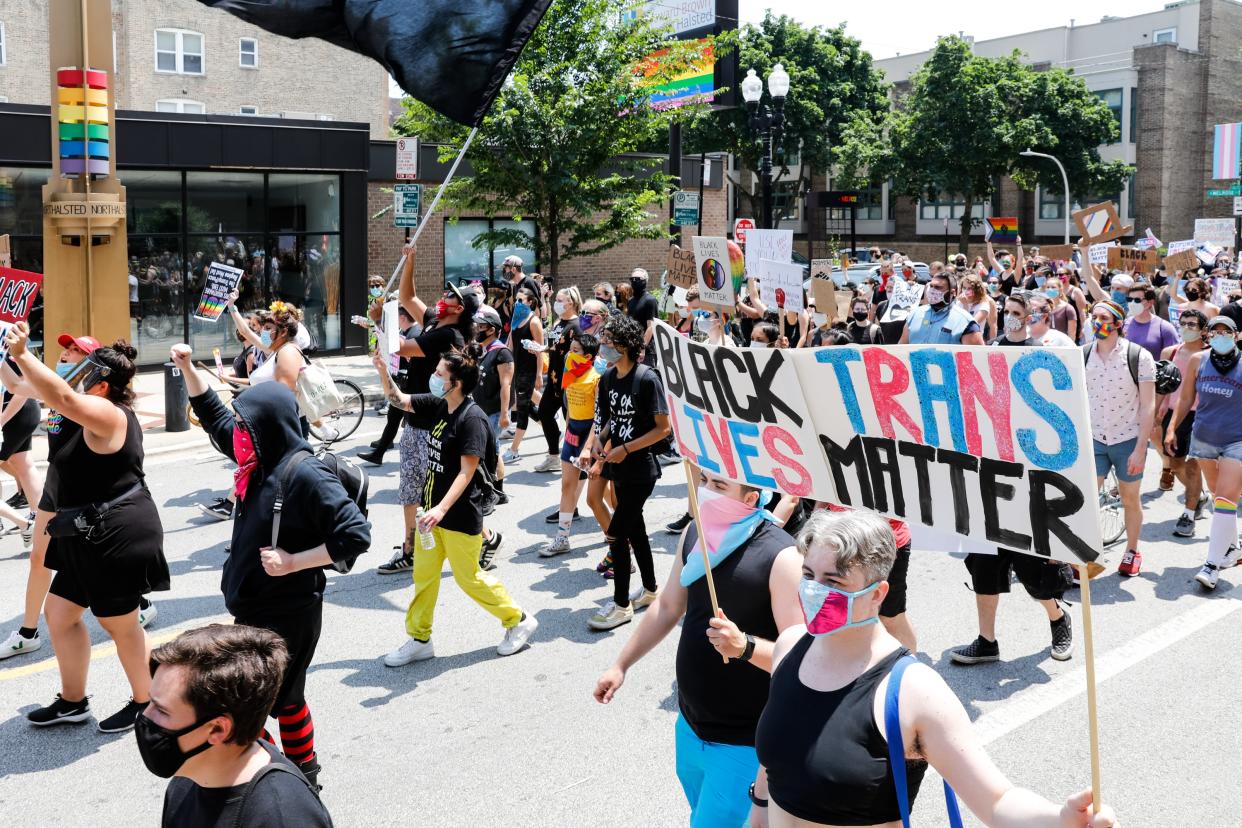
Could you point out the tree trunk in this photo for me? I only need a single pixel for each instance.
(963, 239)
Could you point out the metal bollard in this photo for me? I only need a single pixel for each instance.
(176, 399)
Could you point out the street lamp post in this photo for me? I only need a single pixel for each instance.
(767, 122)
(1065, 182)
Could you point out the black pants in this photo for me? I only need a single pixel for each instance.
(300, 629)
(391, 427)
(523, 389)
(550, 404)
(630, 531)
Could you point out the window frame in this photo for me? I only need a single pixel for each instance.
(241, 110)
(241, 52)
(181, 102)
(4, 46)
(179, 52)
(1171, 31)
(1117, 110)
(955, 207)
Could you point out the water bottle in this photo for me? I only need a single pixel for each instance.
(426, 538)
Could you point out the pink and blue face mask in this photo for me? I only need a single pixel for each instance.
(829, 610)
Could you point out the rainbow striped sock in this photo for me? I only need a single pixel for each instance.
(1225, 507)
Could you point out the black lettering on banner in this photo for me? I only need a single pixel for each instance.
(878, 468)
(922, 455)
(851, 455)
(749, 411)
(959, 463)
(993, 490)
(1046, 514)
(705, 374)
(692, 398)
(763, 387)
(670, 361)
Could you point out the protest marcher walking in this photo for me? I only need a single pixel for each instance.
(566, 324)
(1214, 378)
(277, 583)
(211, 690)
(107, 543)
(1040, 327)
(580, 380)
(1192, 327)
(643, 309)
(18, 422)
(754, 567)
(526, 342)
(824, 738)
(450, 525)
(395, 417)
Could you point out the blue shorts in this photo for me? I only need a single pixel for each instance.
(1115, 457)
(716, 778)
(494, 419)
(576, 432)
(1207, 451)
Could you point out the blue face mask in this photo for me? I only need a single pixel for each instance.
(265, 337)
(1039, 281)
(829, 610)
(376, 292)
(521, 312)
(609, 353)
(436, 385)
(601, 364)
(1223, 343)
(63, 369)
(1121, 297)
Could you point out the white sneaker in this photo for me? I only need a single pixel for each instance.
(558, 546)
(28, 532)
(610, 616)
(517, 636)
(328, 434)
(549, 463)
(510, 457)
(412, 650)
(1208, 576)
(640, 597)
(146, 616)
(509, 432)
(16, 645)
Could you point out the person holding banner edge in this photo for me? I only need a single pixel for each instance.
(824, 736)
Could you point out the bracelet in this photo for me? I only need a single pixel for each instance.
(762, 803)
(626, 446)
(748, 651)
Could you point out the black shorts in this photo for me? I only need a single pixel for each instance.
(17, 432)
(300, 631)
(895, 602)
(1043, 579)
(1183, 432)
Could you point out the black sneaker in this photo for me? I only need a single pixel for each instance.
(1062, 637)
(976, 652)
(487, 554)
(220, 509)
(375, 458)
(678, 526)
(123, 719)
(1185, 527)
(555, 516)
(18, 500)
(60, 712)
(401, 562)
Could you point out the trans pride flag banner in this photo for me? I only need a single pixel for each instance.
(1227, 151)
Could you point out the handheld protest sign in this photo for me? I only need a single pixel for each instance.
(1057, 252)
(903, 296)
(823, 288)
(772, 245)
(1182, 260)
(1100, 223)
(1133, 259)
(681, 269)
(1001, 230)
(18, 289)
(221, 280)
(693, 491)
(780, 284)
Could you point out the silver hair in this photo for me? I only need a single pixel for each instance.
(861, 539)
(639, 272)
(512, 261)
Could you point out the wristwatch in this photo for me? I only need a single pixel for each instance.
(747, 652)
(762, 803)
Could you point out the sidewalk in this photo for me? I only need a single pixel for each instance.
(149, 406)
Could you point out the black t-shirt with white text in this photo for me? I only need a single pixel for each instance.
(628, 405)
(450, 436)
(1029, 342)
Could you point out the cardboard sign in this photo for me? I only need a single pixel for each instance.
(823, 288)
(1001, 230)
(6, 258)
(681, 268)
(18, 290)
(1222, 290)
(989, 446)
(220, 282)
(1182, 260)
(1133, 259)
(902, 297)
(1057, 252)
(780, 284)
(1218, 231)
(772, 245)
(1100, 223)
(713, 272)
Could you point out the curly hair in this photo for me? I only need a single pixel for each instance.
(626, 336)
(285, 317)
(463, 366)
(118, 358)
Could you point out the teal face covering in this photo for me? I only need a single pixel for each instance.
(436, 385)
(63, 369)
(828, 610)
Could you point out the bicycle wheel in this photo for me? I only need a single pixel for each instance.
(345, 419)
(1112, 514)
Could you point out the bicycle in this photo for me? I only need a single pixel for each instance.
(344, 420)
(1112, 513)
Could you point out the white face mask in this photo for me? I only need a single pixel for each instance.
(559, 307)
(754, 344)
(934, 296)
(1136, 308)
(821, 319)
(1012, 323)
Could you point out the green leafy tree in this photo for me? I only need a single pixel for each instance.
(553, 147)
(967, 118)
(832, 83)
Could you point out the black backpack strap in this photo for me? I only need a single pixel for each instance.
(1132, 359)
(1086, 352)
(267, 770)
(283, 473)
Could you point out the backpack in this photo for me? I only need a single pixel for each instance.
(352, 478)
(665, 446)
(274, 767)
(316, 391)
(1132, 357)
(485, 473)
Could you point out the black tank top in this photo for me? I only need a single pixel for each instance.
(524, 361)
(792, 330)
(826, 759)
(722, 702)
(86, 477)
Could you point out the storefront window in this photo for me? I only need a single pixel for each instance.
(21, 200)
(156, 294)
(153, 202)
(306, 271)
(244, 251)
(303, 203)
(222, 202)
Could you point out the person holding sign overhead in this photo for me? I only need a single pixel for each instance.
(848, 702)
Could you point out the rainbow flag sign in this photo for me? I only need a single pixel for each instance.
(1227, 151)
(1001, 229)
(694, 84)
(221, 281)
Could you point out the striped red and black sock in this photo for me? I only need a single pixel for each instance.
(297, 733)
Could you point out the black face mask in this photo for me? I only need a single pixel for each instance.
(158, 745)
(1192, 295)
(639, 285)
(1160, 280)
(860, 316)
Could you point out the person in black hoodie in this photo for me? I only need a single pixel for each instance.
(278, 589)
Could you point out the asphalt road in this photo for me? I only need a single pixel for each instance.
(473, 739)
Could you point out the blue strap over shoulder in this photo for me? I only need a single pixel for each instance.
(897, 748)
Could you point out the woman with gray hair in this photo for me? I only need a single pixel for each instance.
(823, 739)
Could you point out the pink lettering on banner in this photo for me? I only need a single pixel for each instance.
(884, 392)
(722, 441)
(800, 487)
(682, 448)
(995, 403)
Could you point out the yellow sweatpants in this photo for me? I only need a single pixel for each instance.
(462, 551)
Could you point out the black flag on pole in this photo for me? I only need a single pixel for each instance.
(452, 55)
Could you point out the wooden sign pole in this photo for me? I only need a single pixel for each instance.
(1093, 725)
(692, 489)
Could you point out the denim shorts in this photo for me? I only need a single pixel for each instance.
(1115, 457)
(1207, 451)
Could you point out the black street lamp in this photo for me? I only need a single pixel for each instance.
(766, 122)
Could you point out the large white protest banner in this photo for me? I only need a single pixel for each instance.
(772, 245)
(989, 445)
(711, 261)
(780, 284)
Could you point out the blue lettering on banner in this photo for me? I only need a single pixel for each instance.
(837, 357)
(745, 451)
(945, 391)
(1052, 414)
(696, 418)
